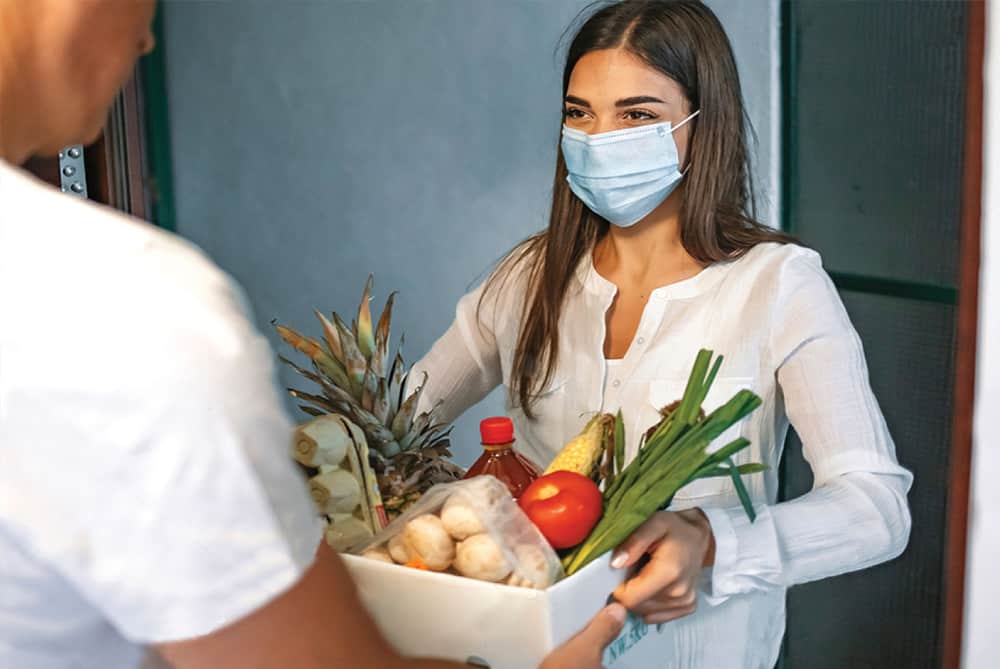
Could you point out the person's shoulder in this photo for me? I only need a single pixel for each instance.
(505, 287)
(76, 252)
(34, 211)
(770, 265)
(777, 255)
(137, 287)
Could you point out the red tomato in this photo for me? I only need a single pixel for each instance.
(564, 506)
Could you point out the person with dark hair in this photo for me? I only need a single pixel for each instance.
(149, 511)
(653, 252)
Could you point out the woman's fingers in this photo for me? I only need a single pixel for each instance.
(668, 615)
(663, 602)
(665, 587)
(641, 541)
(682, 591)
(653, 578)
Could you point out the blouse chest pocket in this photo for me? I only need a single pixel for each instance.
(663, 392)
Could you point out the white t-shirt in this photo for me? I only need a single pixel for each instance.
(778, 320)
(146, 494)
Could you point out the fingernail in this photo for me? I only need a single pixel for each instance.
(616, 611)
(619, 560)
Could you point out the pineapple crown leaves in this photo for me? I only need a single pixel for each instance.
(363, 331)
(351, 366)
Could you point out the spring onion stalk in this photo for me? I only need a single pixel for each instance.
(673, 455)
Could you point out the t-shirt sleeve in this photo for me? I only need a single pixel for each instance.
(151, 468)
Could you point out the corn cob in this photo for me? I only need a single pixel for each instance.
(583, 452)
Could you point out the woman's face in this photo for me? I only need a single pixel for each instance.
(612, 89)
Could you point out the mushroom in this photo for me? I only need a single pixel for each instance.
(427, 539)
(460, 519)
(398, 549)
(532, 569)
(379, 554)
(480, 557)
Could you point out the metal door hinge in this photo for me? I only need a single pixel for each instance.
(72, 173)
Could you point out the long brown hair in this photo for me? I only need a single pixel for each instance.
(684, 40)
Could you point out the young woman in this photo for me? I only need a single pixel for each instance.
(652, 253)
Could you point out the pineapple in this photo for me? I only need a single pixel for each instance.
(356, 378)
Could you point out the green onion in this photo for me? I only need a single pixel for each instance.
(673, 455)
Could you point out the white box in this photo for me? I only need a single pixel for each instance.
(425, 614)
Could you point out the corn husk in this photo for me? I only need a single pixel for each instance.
(582, 454)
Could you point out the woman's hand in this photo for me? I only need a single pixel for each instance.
(679, 544)
(586, 649)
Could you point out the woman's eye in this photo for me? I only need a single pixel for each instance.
(572, 113)
(638, 115)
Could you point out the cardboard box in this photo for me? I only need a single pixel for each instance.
(425, 614)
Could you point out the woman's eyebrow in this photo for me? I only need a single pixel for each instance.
(638, 100)
(624, 102)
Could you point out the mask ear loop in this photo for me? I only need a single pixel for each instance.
(679, 125)
(693, 114)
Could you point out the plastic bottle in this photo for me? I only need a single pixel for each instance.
(500, 459)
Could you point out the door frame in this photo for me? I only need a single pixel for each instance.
(965, 349)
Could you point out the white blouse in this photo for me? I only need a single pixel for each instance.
(778, 320)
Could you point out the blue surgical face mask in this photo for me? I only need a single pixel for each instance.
(623, 175)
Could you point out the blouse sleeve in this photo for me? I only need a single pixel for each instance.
(463, 366)
(856, 514)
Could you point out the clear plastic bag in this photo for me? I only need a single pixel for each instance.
(473, 528)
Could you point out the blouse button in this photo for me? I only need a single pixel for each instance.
(616, 383)
(640, 341)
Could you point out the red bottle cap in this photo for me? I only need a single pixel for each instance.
(497, 430)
